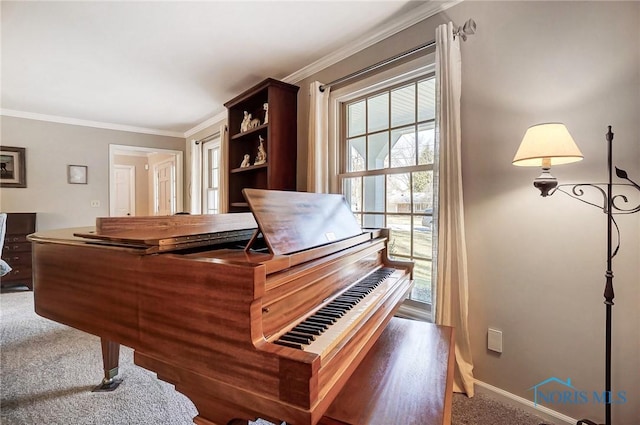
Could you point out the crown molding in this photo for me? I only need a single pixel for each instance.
(403, 22)
(209, 122)
(412, 17)
(87, 123)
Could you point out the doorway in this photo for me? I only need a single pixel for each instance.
(155, 175)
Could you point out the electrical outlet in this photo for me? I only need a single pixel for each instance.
(95, 204)
(494, 340)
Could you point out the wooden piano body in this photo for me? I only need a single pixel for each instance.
(204, 313)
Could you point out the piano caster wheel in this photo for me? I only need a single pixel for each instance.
(107, 385)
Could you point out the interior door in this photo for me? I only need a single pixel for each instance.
(124, 178)
(165, 203)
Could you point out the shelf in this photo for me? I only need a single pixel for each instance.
(248, 132)
(279, 135)
(249, 168)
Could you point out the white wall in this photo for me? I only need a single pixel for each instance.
(536, 266)
(50, 147)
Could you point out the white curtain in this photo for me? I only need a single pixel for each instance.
(224, 169)
(451, 291)
(318, 158)
(194, 191)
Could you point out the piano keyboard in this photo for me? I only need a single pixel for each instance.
(320, 332)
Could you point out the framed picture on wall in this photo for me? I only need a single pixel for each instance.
(13, 171)
(77, 174)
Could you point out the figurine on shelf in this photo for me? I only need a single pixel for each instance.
(244, 125)
(253, 123)
(246, 161)
(261, 158)
(266, 113)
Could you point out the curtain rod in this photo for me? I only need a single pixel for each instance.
(468, 29)
(206, 139)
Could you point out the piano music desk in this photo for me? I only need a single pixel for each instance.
(406, 379)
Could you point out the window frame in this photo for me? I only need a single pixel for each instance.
(213, 144)
(413, 70)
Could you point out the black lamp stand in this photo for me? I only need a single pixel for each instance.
(610, 207)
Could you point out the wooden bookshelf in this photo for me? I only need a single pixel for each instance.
(279, 135)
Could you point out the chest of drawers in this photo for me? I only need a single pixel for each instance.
(17, 249)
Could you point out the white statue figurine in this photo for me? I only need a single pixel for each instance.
(244, 125)
(261, 158)
(266, 113)
(246, 161)
(253, 123)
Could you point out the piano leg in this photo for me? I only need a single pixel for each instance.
(110, 359)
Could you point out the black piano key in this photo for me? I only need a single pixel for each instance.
(315, 325)
(302, 334)
(324, 320)
(325, 313)
(289, 344)
(341, 305)
(295, 338)
(337, 311)
(348, 300)
(307, 330)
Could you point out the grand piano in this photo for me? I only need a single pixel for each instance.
(250, 315)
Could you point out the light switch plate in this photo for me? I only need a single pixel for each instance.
(494, 340)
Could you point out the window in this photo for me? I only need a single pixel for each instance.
(386, 161)
(211, 176)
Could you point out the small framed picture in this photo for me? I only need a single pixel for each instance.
(77, 174)
(13, 171)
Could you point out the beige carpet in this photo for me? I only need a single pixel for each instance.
(48, 371)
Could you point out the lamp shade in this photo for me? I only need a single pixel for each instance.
(545, 145)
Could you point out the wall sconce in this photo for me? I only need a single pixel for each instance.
(550, 144)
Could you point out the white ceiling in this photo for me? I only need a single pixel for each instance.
(168, 67)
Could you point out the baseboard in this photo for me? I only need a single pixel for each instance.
(527, 405)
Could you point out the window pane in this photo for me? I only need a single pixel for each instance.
(398, 193)
(373, 220)
(426, 137)
(355, 119)
(215, 178)
(352, 190)
(422, 192)
(403, 147)
(378, 151)
(422, 281)
(212, 201)
(403, 105)
(400, 238)
(357, 154)
(422, 239)
(374, 193)
(427, 99)
(216, 158)
(378, 109)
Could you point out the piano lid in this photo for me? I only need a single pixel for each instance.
(169, 233)
(297, 221)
